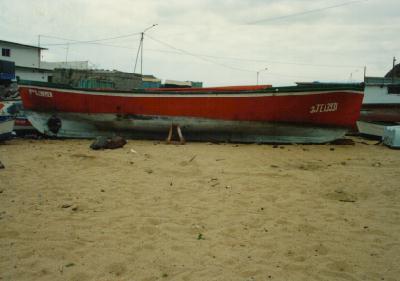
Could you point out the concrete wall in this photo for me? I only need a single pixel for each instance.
(63, 64)
(379, 94)
(32, 74)
(21, 55)
(376, 90)
(121, 80)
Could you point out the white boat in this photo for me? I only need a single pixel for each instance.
(14, 108)
(381, 105)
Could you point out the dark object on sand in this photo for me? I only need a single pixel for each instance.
(1, 165)
(343, 142)
(108, 143)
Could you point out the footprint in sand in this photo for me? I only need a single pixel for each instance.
(116, 268)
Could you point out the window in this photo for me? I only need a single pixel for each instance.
(5, 52)
(394, 89)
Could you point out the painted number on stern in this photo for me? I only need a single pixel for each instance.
(324, 107)
(39, 93)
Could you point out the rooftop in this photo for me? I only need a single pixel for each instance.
(22, 45)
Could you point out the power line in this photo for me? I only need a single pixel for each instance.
(281, 62)
(225, 58)
(202, 56)
(198, 56)
(261, 60)
(224, 65)
(221, 57)
(306, 12)
(88, 41)
(97, 44)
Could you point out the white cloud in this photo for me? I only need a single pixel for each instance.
(364, 33)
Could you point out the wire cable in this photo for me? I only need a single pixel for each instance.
(198, 56)
(88, 41)
(306, 12)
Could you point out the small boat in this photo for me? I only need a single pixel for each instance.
(373, 129)
(293, 114)
(381, 100)
(381, 105)
(13, 107)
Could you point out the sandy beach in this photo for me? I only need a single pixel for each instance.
(199, 211)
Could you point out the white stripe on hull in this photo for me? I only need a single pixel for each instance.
(80, 125)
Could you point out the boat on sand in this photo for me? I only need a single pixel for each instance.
(293, 114)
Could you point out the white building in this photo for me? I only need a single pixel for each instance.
(27, 60)
(382, 90)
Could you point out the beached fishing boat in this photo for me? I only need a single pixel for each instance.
(296, 114)
(381, 100)
(381, 105)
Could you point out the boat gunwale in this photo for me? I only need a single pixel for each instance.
(359, 88)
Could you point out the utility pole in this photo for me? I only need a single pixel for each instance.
(351, 75)
(258, 72)
(137, 55)
(141, 56)
(39, 50)
(365, 72)
(66, 54)
(140, 50)
(394, 63)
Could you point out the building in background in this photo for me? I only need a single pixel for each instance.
(181, 84)
(97, 78)
(82, 65)
(29, 66)
(27, 60)
(7, 71)
(7, 78)
(149, 81)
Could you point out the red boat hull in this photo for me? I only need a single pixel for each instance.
(337, 108)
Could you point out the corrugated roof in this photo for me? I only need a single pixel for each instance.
(23, 45)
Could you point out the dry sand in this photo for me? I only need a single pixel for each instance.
(199, 212)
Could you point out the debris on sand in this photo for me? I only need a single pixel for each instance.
(343, 142)
(108, 143)
(342, 196)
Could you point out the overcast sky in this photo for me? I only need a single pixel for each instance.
(219, 42)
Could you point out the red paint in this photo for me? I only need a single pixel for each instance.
(287, 108)
(380, 113)
(22, 122)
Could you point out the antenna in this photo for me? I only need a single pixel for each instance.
(39, 50)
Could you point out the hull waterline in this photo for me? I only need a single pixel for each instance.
(77, 125)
